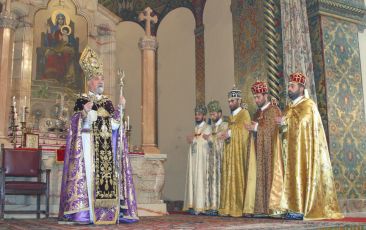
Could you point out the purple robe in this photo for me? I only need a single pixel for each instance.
(74, 203)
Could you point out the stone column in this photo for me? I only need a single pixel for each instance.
(199, 33)
(148, 45)
(107, 50)
(22, 73)
(334, 28)
(7, 27)
(297, 55)
(250, 54)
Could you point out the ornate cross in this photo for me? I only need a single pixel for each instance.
(146, 16)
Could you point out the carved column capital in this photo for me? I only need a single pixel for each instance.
(8, 20)
(353, 11)
(148, 43)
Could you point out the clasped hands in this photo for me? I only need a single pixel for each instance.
(250, 126)
(221, 135)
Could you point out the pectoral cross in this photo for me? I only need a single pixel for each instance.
(146, 16)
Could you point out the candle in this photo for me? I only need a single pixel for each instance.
(25, 101)
(23, 114)
(128, 122)
(15, 108)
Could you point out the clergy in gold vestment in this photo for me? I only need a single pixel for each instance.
(238, 164)
(219, 127)
(269, 161)
(195, 200)
(308, 177)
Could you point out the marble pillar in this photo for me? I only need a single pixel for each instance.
(7, 27)
(148, 45)
(22, 62)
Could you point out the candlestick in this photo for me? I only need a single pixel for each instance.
(23, 114)
(23, 126)
(13, 126)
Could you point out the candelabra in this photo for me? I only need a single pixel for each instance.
(23, 125)
(13, 126)
(128, 136)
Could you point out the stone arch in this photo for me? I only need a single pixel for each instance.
(176, 89)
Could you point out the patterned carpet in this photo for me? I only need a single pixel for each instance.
(178, 221)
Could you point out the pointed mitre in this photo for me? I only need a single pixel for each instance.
(90, 63)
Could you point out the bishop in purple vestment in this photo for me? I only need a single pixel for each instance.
(97, 185)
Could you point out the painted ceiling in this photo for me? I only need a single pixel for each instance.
(129, 10)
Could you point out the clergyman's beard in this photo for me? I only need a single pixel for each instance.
(294, 95)
(234, 108)
(260, 105)
(99, 90)
(199, 121)
(214, 120)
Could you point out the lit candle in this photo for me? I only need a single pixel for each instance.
(23, 114)
(24, 108)
(14, 102)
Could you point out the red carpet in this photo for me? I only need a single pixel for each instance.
(176, 221)
(350, 219)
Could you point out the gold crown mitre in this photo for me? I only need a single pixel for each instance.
(234, 93)
(90, 63)
(259, 87)
(214, 106)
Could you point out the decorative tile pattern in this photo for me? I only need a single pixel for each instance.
(249, 46)
(318, 64)
(345, 106)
